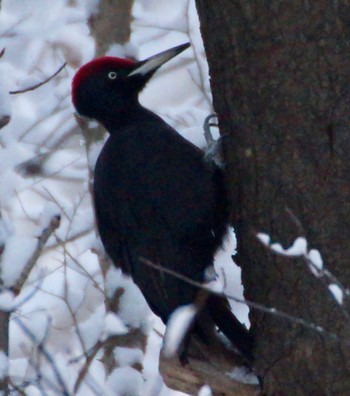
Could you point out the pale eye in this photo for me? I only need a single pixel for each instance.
(112, 75)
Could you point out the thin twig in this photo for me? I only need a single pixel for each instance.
(29, 296)
(45, 235)
(84, 271)
(327, 279)
(85, 368)
(72, 238)
(46, 354)
(70, 309)
(36, 86)
(18, 389)
(259, 307)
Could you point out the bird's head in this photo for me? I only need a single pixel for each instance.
(108, 82)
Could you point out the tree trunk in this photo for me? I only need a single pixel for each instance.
(280, 80)
(112, 24)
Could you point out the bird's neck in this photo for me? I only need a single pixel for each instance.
(121, 117)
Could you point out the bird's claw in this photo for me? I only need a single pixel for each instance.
(213, 151)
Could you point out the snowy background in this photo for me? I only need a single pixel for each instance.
(44, 173)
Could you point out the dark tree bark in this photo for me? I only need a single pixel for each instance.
(280, 79)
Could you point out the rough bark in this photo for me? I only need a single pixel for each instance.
(280, 80)
(111, 25)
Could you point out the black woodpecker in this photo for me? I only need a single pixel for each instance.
(156, 197)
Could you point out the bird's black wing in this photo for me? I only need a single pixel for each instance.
(156, 198)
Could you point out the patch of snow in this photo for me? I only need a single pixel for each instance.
(7, 299)
(298, 248)
(113, 326)
(243, 375)
(178, 325)
(50, 211)
(134, 310)
(229, 274)
(124, 381)
(92, 328)
(32, 390)
(316, 259)
(263, 238)
(205, 391)
(337, 293)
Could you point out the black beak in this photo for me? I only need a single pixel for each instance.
(150, 65)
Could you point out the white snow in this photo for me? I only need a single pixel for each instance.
(316, 259)
(229, 276)
(177, 327)
(205, 391)
(113, 326)
(49, 212)
(298, 248)
(263, 238)
(244, 375)
(337, 293)
(92, 328)
(124, 381)
(6, 300)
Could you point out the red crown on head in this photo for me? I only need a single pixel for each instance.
(90, 68)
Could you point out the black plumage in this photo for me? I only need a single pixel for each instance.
(155, 196)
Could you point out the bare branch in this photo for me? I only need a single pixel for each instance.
(36, 86)
(43, 238)
(89, 359)
(32, 293)
(83, 269)
(259, 307)
(46, 355)
(4, 120)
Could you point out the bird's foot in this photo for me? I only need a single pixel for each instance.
(213, 151)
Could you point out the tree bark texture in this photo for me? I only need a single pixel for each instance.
(280, 74)
(112, 24)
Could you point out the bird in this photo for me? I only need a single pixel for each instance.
(156, 197)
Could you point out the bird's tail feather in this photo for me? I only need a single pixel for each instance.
(230, 326)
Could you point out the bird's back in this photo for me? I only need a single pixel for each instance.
(157, 198)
